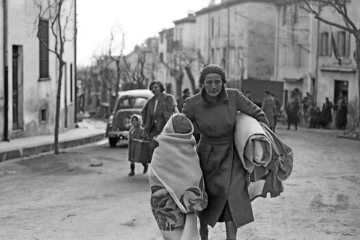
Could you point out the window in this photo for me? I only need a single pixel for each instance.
(296, 14)
(297, 56)
(161, 38)
(131, 102)
(161, 57)
(212, 27)
(284, 16)
(43, 115)
(219, 27)
(324, 47)
(223, 60)
(212, 55)
(43, 51)
(341, 43)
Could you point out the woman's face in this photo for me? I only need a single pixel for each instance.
(155, 89)
(213, 84)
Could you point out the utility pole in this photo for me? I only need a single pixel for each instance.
(6, 72)
(75, 63)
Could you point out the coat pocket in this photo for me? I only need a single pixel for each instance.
(204, 152)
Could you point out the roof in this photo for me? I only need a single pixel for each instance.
(166, 30)
(189, 19)
(230, 3)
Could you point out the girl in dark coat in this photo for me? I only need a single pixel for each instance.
(214, 111)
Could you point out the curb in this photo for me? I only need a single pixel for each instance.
(36, 150)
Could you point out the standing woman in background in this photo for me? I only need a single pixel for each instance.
(157, 111)
(214, 111)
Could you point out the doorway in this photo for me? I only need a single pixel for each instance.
(341, 90)
(17, 87)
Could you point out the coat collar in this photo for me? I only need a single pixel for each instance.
(221, 98)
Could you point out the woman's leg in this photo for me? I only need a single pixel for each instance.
(231, 230)
(146, 166)
(204, 231)
(132, 169)
(190, 230)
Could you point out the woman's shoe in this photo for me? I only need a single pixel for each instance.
(145, 169)
(132, 173)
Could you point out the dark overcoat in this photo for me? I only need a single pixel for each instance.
(155, 120)
(225, 177)
(269, 108)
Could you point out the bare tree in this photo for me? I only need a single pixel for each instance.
(116, 52)
(348, 24)
(59, 17)
(134, 70)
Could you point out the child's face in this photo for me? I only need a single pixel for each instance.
(134, 122)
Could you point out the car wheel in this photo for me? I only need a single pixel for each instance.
(113, 142)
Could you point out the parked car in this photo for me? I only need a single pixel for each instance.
(128, 103)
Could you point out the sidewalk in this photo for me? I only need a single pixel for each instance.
(88, 131)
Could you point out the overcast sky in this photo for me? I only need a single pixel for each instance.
(139, 19)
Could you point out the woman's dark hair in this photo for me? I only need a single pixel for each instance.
(161, 86)
(212, 68)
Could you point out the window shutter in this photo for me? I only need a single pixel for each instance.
(347, 44)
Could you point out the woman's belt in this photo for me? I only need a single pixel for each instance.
(216, 141)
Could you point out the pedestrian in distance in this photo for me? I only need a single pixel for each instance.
(176, 181)
(269, 108)
(277, 110)
(326, 114)
(157, 111)
(137, 138)
(341, 115)
(305, 107)
(214, 111)
(292, 112)
(181, 99)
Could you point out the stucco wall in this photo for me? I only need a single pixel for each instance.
(1, 72)
(247, 34)
(36, 93)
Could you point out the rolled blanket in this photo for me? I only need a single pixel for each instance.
(252, 143)
(176, 166)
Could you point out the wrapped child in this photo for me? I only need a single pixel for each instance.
(176, 181)
(137, 138)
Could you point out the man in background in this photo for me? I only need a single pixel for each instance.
(181, 100)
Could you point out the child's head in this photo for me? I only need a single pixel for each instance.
(135, 121)
(181, 124)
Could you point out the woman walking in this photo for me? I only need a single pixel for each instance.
(214, 111)
(157, 111)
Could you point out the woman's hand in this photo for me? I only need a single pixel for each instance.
(155, 142)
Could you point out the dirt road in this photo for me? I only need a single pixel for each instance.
(62, 197)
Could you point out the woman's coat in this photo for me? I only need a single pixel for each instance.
(224, 175)
(156, 120)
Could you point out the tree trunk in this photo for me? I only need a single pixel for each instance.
(117, 89)
(57, 114)
(191, 78)
(357, 58)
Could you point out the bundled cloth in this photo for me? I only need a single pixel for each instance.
(176, 181)
(176, 165)
(265, 157)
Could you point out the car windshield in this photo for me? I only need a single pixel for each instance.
(128, 102)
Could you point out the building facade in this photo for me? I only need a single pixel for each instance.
(185, 52)
(240, 37)
(315, 57)
(29, 71)
(165, 42)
